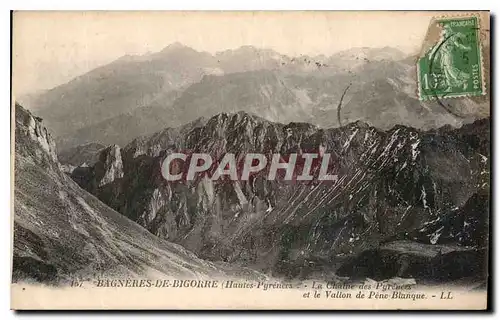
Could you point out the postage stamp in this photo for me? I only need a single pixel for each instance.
(452, 67)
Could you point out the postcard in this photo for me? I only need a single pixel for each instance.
(190, 160)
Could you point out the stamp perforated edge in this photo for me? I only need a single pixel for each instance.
(481, 59)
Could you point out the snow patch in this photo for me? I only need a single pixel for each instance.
(348, 142)
(483, 158)
(270, 207)
(434, 237)
(423, 196)
(414, 151)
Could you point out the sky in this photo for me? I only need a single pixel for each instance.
(50, 48)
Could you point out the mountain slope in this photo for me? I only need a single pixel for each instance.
(381, 93)
(125, 127)
(391, 185)
(88, 108)
(139, 95)
(120, 87)
(61, 232)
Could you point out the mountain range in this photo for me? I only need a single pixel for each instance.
(408, 202)
(140, 95)
(63, 233)
(412, 198)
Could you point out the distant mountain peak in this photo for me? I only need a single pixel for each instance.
(174, 46)
(247, 49)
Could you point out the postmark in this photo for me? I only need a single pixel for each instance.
(452, 66)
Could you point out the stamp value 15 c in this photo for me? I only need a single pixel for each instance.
(453, 66)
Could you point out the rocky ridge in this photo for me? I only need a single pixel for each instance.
(430, 188)
(62, 233)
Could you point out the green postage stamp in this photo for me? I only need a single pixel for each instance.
(452, 66)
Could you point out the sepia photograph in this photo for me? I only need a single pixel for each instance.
(251, 160)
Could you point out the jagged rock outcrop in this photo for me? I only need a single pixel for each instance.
(30, 129)
(110, 166)
(424, 262)
(105, 167)
(62, 233)
(402, 184)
